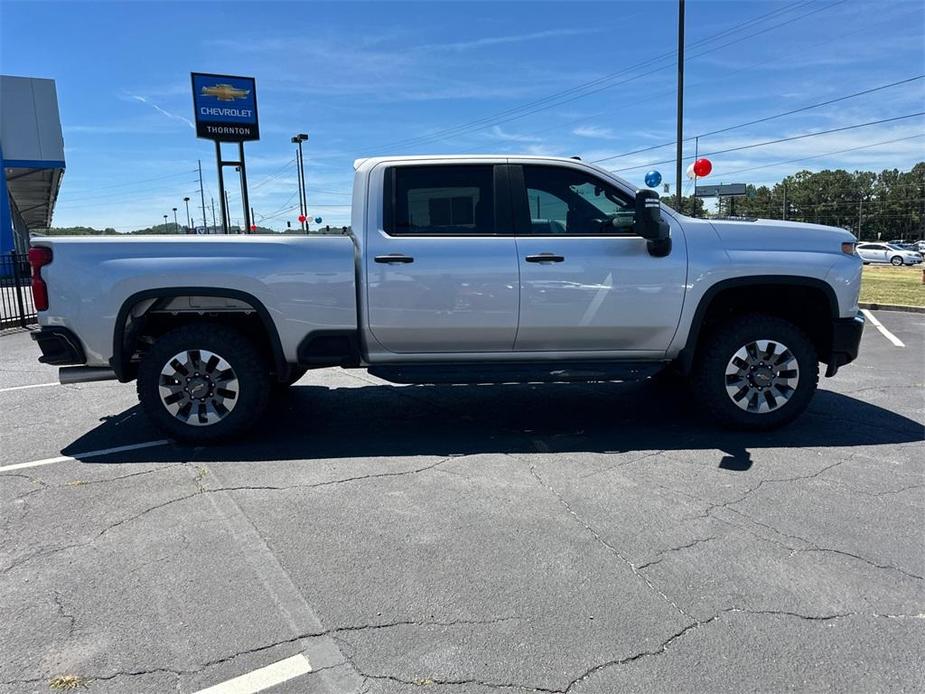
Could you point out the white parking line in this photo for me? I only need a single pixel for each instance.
(879, 326)
(264, 678)
(87, 454)
(37, 385)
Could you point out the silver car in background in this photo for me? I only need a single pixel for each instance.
(887, 253)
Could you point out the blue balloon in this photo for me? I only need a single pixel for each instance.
(653, 178)
(317, 220)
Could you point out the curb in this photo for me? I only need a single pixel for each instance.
(893, 307)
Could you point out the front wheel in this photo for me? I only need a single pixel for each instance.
(896, 260)
(755, 372)
(203, 383)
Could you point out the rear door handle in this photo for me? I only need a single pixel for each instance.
(545, 258)
(394, 258)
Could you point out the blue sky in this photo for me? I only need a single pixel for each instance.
(391, 77)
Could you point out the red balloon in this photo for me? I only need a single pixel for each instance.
(301, 217)
(253, 227)
(703, 167)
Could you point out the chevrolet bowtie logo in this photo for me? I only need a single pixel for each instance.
(225, 92)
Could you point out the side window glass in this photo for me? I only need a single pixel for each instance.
(569, 201)
(439, 200)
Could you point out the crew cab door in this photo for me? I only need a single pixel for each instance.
(586, 284)
(441, 265)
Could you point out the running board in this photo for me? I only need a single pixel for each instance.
(548, 372)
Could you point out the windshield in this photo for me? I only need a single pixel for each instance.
(895, 247)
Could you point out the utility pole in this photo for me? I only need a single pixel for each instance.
(694, 191)
(680, 100)
(243, 170)
(300, 164)
(213, 214)
(783, 211)
(227, 207)
(253, 218)
(860, 203)
(202, 195)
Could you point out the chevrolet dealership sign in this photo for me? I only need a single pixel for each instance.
(225, 107)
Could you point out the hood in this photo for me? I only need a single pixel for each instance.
(774, 234)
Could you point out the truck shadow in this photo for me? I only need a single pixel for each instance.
(311, 423)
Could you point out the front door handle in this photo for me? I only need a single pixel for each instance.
(545, 258)
(394, 258)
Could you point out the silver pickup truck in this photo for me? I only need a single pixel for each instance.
(462, 269)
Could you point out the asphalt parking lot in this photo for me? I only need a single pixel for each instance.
(554, 538)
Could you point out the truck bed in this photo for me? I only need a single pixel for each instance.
(305, 283)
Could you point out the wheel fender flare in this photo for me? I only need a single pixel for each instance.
(120, 351)
(686, 356)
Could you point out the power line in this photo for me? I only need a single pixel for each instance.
(557, 97)
(273, 176)
(93, 194)
(777, 141)
(585, 85)
(145, 180)
(764, 119)
(819, 156)
(116, 198)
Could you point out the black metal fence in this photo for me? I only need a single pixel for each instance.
(16, 307)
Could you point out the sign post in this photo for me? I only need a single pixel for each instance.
(225, 108)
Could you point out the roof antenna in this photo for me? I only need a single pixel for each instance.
(576, 157)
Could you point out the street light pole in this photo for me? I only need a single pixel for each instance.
(300, 165)
(176, 227)
(680, 101)
(189, 224)
(165, 224)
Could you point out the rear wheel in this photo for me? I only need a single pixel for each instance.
(755, 372)
(203, 382)
(896, 260)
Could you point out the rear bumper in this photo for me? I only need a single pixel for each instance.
(846, 342)
(59, 346)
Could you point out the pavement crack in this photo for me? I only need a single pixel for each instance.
(605, 470)
(713, 506)
(42, 554)
(335, 632)
(814, 547)
(56, 596)
(327, 483)
(887, 492)
(120, 477)
(429, 681)
(143, 513)
(665, 552)
(604, 543)
(662, 648)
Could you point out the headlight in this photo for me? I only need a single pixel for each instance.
(849, 247)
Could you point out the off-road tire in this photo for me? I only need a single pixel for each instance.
(708, 379)
(250, 369)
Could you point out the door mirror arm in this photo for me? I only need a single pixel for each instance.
(648, 223)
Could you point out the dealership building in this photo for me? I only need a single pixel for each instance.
(31, 157)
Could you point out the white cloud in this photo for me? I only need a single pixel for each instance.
(173, 116)
(497, 133)
(501, 40)
(595, 132)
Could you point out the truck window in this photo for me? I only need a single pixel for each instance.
(570, 201)
(439, 200)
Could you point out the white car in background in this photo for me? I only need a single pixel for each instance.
(887, 253)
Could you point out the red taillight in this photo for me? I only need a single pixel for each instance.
(39, 256)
